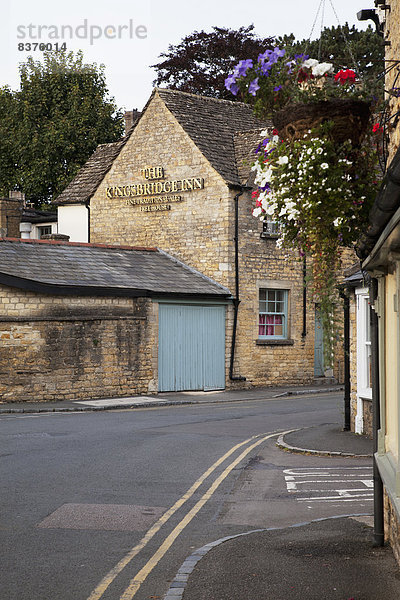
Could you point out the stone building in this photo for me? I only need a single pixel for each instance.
(356, 284)
(180, 180)
(18, 219)
(379, 250)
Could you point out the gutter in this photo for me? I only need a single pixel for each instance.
(384, 209)
(236, 299)
(346, 307)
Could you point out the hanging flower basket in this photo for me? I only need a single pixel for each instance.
(350, 119)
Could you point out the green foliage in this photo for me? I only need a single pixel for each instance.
(8, 153)
(58, 117)
(321, 193)
(338, 44)
(201, 61)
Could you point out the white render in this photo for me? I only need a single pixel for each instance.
(364, 389)
(73, 221)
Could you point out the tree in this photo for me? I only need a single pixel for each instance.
(345, 45)
(201, 61)
(8, 156)
(57, 118)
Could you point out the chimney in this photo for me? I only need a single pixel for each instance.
(14, 195)
(61, 237)
(130, 117)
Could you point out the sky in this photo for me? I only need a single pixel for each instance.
(128, 36)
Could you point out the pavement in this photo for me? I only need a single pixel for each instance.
(325, 559)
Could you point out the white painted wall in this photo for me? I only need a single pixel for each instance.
(73, 221)
(32, 230)
(364, 389)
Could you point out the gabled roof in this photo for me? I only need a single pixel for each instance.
(89, 177)
(55, 267)
(246, 144)
(210, 123)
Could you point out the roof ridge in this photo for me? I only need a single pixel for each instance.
(83, 244)
(202, 96)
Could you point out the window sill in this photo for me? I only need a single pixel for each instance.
(264, 235)
(272, 342)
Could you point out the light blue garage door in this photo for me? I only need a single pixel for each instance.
(191, 351)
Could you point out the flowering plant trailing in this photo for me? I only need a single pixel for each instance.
(277, 79)
(320, 192)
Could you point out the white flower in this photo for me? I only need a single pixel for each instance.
(324, 166)
(309, 63)
(283, 160)
(319, 151)
(283, 211)
(321, 68)
(337, 222)
(257, 211)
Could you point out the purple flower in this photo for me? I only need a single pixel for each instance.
(265, 68)
(277, 88)
(301, 57)
(265, 56)
(231, 85)
(242, 66)
(253, 87)
(279, 52)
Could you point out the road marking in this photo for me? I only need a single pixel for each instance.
(141, 576)
(303, 481)
(109, 578)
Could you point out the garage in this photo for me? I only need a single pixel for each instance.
(191, 354)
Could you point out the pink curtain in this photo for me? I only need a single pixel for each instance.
(266, 324)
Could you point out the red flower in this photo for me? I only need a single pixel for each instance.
(255, 194)
(347, 76)
(275, 132)
(377, 128)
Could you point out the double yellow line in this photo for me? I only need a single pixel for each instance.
(141, 576)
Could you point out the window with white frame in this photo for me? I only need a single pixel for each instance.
(43, 230)
(273, 314)
(364, 379)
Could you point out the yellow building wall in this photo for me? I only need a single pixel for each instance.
(391, 375)
(199, 230)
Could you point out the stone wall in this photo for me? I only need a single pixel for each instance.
(392, 525)
(392, 53)
(10, 217)
(60, 348)
(199, 230)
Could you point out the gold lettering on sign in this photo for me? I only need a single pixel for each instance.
(157, 187)
(146, 201)
(152, 172)
(149, 196)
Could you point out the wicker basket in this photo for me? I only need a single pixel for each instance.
(349, 116)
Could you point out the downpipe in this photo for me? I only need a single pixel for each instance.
(236, 299)
(379, 535)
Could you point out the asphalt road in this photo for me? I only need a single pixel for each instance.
(109, 504)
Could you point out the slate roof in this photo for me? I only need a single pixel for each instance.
(89, 177)
(56, 267)
(246, 144)
(210, 123)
